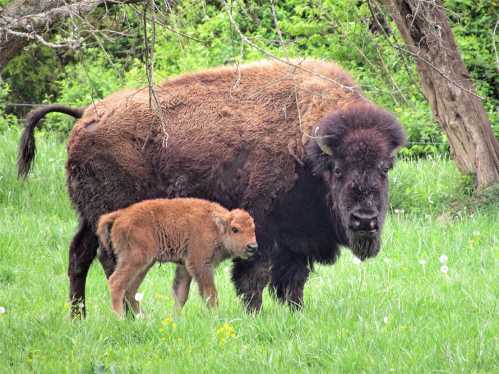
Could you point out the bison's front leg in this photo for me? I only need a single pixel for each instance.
(82, 252)
(289, 273)
(250, 277)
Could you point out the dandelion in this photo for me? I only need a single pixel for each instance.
(139, 296)
(2, 310)
(356, 261)
(225, 332)
(422, 262)
(443, 259)
(385, 319)
(444, 269)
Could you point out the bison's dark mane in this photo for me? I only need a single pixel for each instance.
(360, 132)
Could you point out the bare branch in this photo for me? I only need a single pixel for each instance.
(23, 21)
(154, 102)
(246, 40)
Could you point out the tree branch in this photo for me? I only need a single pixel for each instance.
(24, 21)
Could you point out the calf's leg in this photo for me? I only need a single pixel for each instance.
(202, 272)
(181, 286)
(133, 288)
(120, 280)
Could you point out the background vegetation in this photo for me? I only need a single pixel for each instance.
(198, 34)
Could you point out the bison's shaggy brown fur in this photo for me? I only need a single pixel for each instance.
(244, 137)
(196, 234)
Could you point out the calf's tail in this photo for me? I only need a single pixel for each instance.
(27, 147)
(104, 230)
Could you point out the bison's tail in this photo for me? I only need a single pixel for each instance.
(104, 230)
(27, 147)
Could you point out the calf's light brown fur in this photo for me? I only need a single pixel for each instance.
(195, 234)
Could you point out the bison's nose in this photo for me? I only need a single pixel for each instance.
(252, 248)
(363, 221)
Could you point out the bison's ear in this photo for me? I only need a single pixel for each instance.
(222, 221)
(397, 138)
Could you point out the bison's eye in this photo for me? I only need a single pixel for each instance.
(337, 172)
(384, 170)
(235, 230)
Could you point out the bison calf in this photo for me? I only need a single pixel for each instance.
(195, 234)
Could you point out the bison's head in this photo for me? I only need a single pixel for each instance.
(352, 150)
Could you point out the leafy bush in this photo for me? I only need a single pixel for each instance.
(200, 35)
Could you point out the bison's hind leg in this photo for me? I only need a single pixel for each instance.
(82, 252)
(289, 273)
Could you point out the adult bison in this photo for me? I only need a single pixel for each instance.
(299, 147)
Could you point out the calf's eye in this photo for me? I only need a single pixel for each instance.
(235, 230)
(337, 172)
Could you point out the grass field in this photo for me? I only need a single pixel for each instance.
(396, 313)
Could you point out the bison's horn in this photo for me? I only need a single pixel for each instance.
(322, 144)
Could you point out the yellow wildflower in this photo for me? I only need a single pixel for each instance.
(225, 332)
(168, 325)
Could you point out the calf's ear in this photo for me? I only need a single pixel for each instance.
(222, 221)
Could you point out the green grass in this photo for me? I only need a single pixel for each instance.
(434, 322)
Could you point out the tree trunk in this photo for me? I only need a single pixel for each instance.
(447, 85)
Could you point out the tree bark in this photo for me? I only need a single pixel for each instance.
(24, 21)
(447, 85)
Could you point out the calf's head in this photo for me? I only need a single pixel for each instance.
(352, 150)
(237, 230)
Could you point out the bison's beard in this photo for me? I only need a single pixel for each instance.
(364, 246)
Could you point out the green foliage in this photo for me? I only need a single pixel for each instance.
(85, 82)
(200, 35)
(33, 76)
(6, 120)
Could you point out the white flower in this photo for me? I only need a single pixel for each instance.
(2, 310)
(444, 269)
(386, 260)
(139, 296)
(356, 261)
(443, 259)
(422, 262)
(385, 319)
